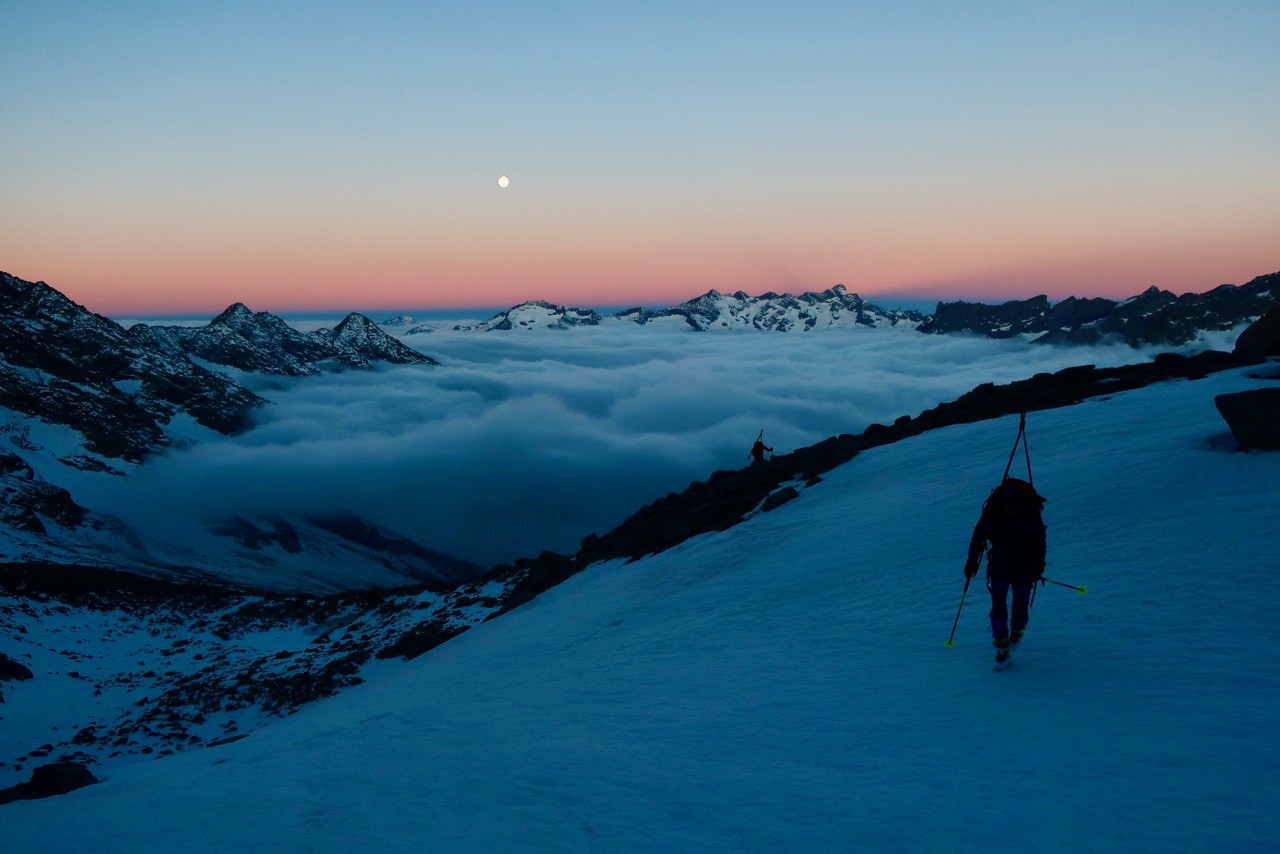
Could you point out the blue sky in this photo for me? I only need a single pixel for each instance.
(176, 157)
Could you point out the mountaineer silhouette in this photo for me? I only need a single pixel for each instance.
(1012, 525)
(758, 449)
(1011, 534)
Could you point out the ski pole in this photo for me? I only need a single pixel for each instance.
(1081, 589)
(951, 641)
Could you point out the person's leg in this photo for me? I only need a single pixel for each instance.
(999, 608)
(1021, 607)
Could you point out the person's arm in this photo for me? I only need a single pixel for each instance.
(977, 543)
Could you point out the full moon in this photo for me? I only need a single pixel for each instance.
(504, 181)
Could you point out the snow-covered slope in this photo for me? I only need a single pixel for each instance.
(783, 684)
(126, 667)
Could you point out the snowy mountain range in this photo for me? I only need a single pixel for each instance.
(753, 663)
(1155, 317)
(833, 308)
(63, 365)
(82, 398)
(261, 342)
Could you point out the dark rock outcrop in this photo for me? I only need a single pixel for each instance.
(13, 671)
(1261, 340)
(423, 638)
(1005, 320)
(1154, 317)
(56, 778)
(29, 503)
(778, 498)
(1253, 416)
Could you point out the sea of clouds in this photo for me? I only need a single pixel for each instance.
(530, 440)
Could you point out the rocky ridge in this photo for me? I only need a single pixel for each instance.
(260, 342)
(1154, 317)
(62, 364)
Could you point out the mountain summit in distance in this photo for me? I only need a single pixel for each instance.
(1152, 318)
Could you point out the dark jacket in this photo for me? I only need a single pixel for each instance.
(1012, 524)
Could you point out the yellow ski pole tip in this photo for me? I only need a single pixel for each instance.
(1083, 590)
(949, 644)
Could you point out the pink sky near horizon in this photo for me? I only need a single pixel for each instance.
(297, 278)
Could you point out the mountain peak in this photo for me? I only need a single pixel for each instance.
(354, 321)
(398, 320)
(235, 313)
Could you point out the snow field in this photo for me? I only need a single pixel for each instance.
(784, 685)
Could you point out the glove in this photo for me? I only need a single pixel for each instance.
(970, 570)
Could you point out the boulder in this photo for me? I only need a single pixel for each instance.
(56, 778)
(1260, 340)
(13, 671)
(778, 498)
(1253, 416)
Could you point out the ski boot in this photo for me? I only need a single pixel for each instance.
(1002, 653)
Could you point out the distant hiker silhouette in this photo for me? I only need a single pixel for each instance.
(1012, 524)
(758, 449)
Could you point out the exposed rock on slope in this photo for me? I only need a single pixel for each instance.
(1254, 417)
(28, 503)
(65, 365)
(159, 667)
(1261, 340)
(1152, 317)
(261, 342)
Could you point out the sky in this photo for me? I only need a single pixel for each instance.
(520, 442)
(167, 158)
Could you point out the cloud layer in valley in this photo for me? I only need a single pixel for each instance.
(527, 441)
